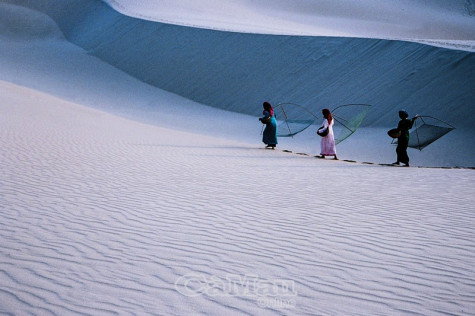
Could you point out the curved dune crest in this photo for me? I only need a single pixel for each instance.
(424, 20)
(235, 71)
(21, 23)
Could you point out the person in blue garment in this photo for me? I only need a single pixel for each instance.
(405, 124)
(269, 136)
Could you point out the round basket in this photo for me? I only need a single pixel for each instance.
(324, 133)
(394, 133)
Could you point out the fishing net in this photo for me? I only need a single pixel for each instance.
(349, 117)
(428, 132)
(292, 119)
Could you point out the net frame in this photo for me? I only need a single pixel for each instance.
(289, 124)
(448, 128)
(350, 129)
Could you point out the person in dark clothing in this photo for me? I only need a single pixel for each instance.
(269, 136)
(404, 126)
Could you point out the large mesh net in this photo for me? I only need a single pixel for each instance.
(348, 118)
(292, 119)
(427, 131)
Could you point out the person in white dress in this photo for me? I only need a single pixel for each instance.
(327, 145)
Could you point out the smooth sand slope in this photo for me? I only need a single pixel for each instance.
(440, 22)
(232, 72)
(236, 71)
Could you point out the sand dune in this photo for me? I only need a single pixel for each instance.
(416, 20)
(236, 71)
(104, 215)
(120, 198)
